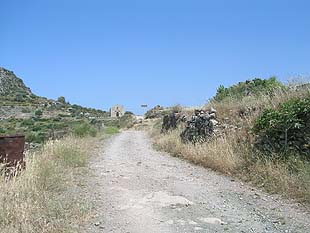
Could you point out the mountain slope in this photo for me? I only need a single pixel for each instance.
(12, 87)
(39, 118)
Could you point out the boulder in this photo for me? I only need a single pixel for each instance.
(201, 127)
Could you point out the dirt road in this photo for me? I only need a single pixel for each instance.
(137, 189)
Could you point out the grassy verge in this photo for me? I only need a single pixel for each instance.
(233, 153)
(228, 156)
(42, 198)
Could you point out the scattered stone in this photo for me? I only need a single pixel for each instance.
(213, 221)
(212, 110)
(214, 122)
(170, 222)
(192, 223)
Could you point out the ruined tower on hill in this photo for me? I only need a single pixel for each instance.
(117, 111)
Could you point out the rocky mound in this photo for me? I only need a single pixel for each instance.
(200, 127)
(156, 112)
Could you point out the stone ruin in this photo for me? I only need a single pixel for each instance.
(200, 127)
(117, 111)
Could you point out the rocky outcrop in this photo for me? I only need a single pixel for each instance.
(12, 86)
(200, 127)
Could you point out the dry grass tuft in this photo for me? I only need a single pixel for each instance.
(219, 154)
(41, 198)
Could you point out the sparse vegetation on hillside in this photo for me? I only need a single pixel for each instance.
(254, 87)
(157, 111)
(84, 129)
(39, 130)
(267, 116)
(41, 119)
(13, 88)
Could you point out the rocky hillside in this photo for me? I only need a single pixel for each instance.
(17, 101)
(39, 118)
(12, 87)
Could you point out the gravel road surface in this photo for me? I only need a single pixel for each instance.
(137, 189)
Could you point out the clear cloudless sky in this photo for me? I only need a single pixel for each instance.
(103, 52)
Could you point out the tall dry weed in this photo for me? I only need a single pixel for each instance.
(39, 199)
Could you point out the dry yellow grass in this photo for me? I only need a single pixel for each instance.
(204, 154)
(232, 153)
(227, 156)
(40, 199)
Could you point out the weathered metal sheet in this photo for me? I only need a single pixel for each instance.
(12, 149)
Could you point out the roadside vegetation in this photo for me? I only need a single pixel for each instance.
(43, 197)
(40, 129)
(269, 145)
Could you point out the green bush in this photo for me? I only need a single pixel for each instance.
(251, 87)
(2, 130)
(285, 130)
(84, 129)
(128, 113)
(111, 130)
(38, 113)
(35, 137)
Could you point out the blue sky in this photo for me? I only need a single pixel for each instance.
(98, 52)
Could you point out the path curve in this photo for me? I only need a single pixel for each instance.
(137, 189)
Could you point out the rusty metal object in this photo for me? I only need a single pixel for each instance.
(12, 150)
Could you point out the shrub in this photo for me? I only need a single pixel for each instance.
(35, 137)
(251, 87)
(2, 130)
(129, 113)
(285, 130)
(111, 130)
(84, 129)
(156, 112)
(38, 113)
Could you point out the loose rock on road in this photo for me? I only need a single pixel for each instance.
(137, 189)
